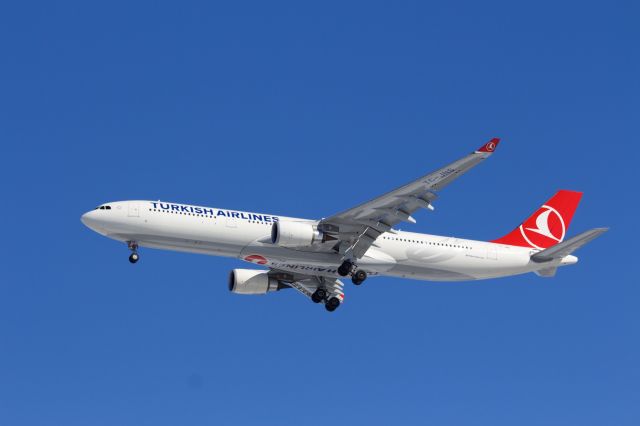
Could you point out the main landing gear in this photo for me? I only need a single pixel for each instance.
(349, 268)
(319, 295)
(358, 277)
(133, 246)
(330, 303)
(345, 269)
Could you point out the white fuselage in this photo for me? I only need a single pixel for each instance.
(247, 236)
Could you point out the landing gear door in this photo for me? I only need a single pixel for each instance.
(134, 210)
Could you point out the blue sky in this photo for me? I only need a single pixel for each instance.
(305, 110)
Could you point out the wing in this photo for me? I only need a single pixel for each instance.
(356, 229)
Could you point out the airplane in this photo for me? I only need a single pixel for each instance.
(312, 255)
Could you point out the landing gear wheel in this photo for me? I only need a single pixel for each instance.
(345, 268)
(332, 304)
(319, 295)
(133, 246)
(359, 277)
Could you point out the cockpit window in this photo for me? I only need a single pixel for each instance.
(103, 208)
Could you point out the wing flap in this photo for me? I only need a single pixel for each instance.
(358, 227)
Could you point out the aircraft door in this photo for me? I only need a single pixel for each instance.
(134, 210)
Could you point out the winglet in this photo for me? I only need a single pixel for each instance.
(489, 146)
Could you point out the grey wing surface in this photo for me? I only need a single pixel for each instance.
(567, 247)
(356, 229)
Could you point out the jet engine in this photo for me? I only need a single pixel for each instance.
(251, 281)
(294, 234)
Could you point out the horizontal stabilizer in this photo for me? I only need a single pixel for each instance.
(567, 247)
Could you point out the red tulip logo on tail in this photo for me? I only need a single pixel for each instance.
(548, 225)
(544, 229)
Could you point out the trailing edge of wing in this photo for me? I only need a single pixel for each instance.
(397, 205)
(567, 247)
(370, 219)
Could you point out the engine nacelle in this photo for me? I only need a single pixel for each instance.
(294, 234)
(251, 281)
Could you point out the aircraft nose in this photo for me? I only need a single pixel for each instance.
(89, 219)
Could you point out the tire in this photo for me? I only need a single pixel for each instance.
(359, 277)
(319, 295)
(332, 304)
(345, 268)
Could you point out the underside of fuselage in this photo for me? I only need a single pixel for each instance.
(415, 264)
(399, 254)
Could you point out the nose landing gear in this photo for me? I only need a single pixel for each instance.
(133, 246)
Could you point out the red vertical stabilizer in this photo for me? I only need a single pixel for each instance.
(548, 225)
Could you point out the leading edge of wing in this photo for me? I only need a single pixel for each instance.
(423, 186)
(567, 247)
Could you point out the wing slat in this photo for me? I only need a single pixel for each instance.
(371, 219)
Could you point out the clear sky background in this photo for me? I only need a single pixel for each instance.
(305, 110)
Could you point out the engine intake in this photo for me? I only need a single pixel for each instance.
(251, 281)
(294, 234)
